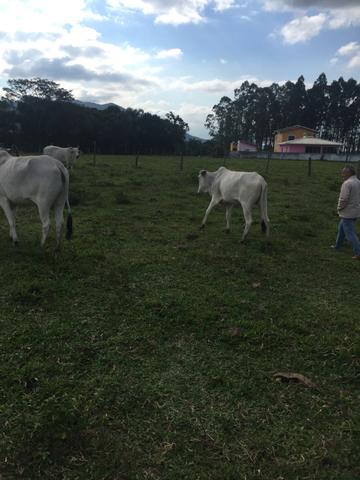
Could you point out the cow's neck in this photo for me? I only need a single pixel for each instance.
(4, 156)
(210, 177)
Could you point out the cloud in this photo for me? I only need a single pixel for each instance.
(83, 51)
(216, 85)
(272, 5)
(313, 16)
(28, 16)
(173, 12)
(303, 28)
(345, 18)
(351, 51)
(171, 53)
(195, 116)
(63, 69)
(15, 57)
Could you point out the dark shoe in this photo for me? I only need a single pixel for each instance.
(334, 247)
(357, 257)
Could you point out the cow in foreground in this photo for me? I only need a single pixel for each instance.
(236, 188)
(66, 155)
(40, 179)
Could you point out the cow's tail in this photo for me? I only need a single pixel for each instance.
(69, 221)
(265, 222)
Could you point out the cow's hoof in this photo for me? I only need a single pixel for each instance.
(202, 226)
(227, 230)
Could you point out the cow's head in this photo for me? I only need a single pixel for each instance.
(203, 183)
(74, 155)
(76, 152)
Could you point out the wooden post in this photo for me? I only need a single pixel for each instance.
(94, 152)
(181, 161)
(358, 169)
(309, 167)
(268, 161)
(137, 160)
(14, 150)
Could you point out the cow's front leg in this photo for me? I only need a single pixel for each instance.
(10, 215)
(214, 201)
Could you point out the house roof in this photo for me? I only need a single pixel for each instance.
(311, 141)
(293, 127)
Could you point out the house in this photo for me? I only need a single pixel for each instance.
(309, 145)
(291, 133)
(242, 146)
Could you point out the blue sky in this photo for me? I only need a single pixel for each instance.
(177, 55)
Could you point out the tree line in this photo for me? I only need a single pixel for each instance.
(38, 112)
(255, 113)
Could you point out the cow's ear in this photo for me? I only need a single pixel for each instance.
(203, 173)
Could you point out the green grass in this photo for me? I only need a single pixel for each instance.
(119, 359)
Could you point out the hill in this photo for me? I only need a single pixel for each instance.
(98, 106)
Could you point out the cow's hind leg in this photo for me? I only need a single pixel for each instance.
(248, 222)
(59, 221)
(10, 215)
(229, 209)
(44, 213)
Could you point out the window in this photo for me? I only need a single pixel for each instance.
(291, 137)
(312, 149)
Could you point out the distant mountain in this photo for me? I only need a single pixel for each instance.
(98, 106)
(189, 137)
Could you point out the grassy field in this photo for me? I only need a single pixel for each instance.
(147, 349)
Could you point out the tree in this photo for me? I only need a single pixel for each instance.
(8, 125)
(220, 124)
(256, 112)
(178, 129)
(20, 88)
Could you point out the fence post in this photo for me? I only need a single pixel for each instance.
(137, 160)
(309, 167)
(15, 151)
(94, 152)
(268, 161)
(181, 161)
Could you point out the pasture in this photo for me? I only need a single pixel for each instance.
(147, 348)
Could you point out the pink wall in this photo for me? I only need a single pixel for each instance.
(292, 148)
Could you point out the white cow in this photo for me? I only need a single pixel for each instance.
(40, 179)
(66, 155)
(236, 188)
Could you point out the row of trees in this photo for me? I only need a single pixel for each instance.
(254, 113)
(37, 112)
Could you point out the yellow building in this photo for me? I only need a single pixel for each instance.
(291, 133)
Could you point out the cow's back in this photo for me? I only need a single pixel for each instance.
(26, 177)
(239, 187)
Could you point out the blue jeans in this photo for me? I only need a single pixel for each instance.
(346, 230)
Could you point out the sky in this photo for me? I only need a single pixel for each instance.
(177, 55)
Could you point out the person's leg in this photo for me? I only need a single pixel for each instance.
(350, 234)
(340, 235)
